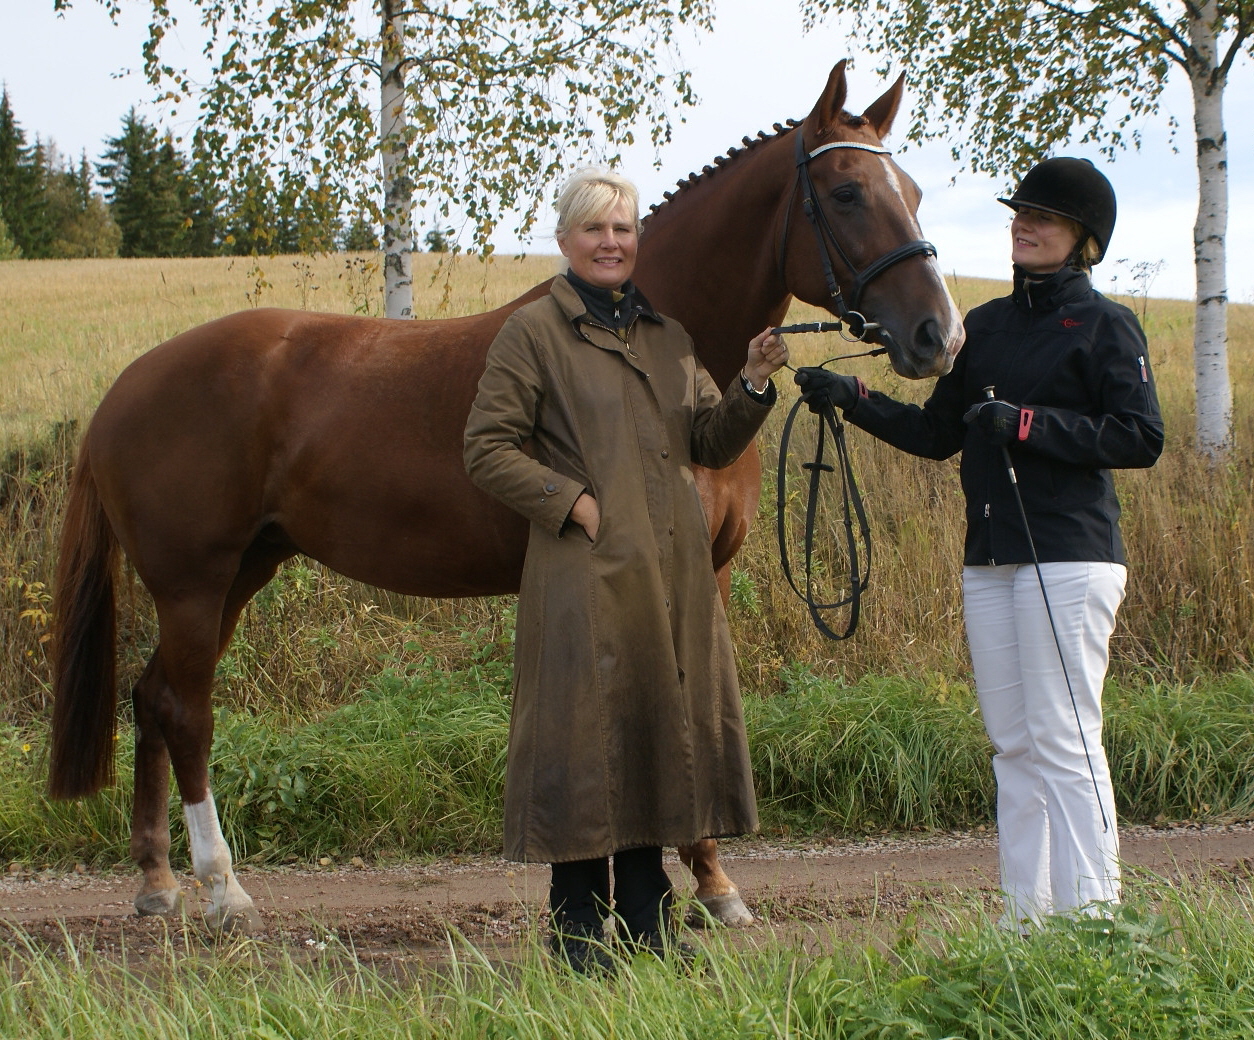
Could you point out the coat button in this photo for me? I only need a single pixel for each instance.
(666, 454)
(550, 488)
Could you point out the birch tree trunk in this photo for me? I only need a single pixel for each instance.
(1210, 335)
(398, 227)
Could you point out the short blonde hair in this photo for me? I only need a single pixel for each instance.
(592, 192)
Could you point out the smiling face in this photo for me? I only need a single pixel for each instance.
(602, 250)
(1041, 242)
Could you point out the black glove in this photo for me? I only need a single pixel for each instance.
(997, 420)
(822, 389)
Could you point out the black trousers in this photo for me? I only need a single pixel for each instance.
(579, 894)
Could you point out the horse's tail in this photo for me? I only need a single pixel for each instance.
(84, 668)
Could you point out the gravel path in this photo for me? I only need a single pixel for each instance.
(403, 912)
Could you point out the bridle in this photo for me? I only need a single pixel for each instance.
(857, 571)
(859, 327)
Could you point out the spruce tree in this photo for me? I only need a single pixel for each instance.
(21, 185)
(143, 177)
(8, 248)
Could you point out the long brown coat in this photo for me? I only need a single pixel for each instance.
(627, 728)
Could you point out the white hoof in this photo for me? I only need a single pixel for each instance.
(163, 902)
(230, 908)
(729, 910)
(239, 920)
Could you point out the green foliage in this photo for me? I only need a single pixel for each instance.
(415, 764)
(499, 96)
(21, 187)
(886, 754)
(360, 236)
(82, 223)
(8, 248)
(1167, 745)
(1007, 83)
(437, 239)
(148, 190)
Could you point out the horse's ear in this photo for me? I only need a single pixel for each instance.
(882, 113)
(826, 112)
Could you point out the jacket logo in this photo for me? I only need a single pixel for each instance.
(1071, 323)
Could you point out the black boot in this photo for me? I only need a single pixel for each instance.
(582, 947)
(579, 899)
(643, 900)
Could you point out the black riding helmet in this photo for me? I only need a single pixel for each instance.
(1072, 188)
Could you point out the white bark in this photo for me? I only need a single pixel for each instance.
(1210, 335)
(398, 227)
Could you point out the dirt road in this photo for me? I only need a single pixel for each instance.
(405, 911)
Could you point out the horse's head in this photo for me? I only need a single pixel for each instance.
(851, 237)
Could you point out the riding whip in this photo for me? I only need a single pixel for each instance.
(1040, 578)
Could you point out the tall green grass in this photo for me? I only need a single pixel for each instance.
(415, 765)
(1173, 964)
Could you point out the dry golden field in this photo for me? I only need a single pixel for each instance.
(69, 327)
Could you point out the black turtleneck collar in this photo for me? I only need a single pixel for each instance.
(615, 309)
(1048, 292)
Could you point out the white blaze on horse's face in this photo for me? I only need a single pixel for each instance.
(954, 333)
(602, 251)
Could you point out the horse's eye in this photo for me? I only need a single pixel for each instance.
(846, 196)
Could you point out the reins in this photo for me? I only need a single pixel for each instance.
(856, 567)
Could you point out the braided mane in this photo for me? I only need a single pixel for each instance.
(748, 144)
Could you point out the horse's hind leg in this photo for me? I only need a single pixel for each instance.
(229, 905)
(174, 720)
(150, 813)
(174, 727)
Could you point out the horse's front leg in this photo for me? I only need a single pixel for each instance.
(715, 890)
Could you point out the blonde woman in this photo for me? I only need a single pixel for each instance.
(626, 733)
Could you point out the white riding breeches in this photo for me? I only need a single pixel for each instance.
(1058, 844)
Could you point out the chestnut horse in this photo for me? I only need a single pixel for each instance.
(238, 444)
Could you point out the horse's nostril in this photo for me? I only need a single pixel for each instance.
(928, 338)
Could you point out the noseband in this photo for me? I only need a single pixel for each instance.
(859, 326)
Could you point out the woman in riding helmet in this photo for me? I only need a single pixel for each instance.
(1054, 379)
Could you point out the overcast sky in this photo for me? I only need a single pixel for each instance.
(67, 80)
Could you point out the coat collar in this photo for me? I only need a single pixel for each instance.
(1051, 291)
(581, 302)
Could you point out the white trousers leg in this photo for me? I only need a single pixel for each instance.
(1058, 844)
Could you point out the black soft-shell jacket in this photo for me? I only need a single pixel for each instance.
(1078, 361)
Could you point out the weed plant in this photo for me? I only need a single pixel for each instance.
(1172, 964)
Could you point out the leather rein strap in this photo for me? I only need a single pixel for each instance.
(858, 572)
